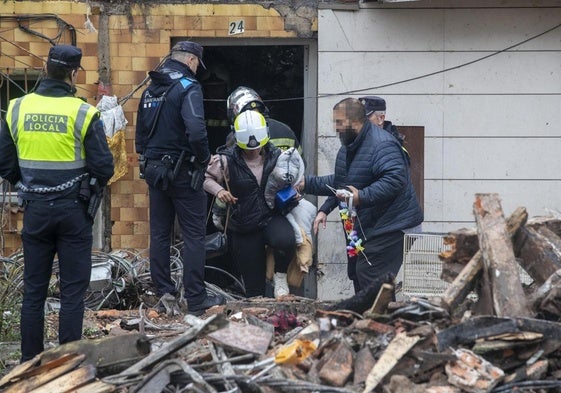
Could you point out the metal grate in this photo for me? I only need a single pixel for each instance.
(422, 268)
(421, 265)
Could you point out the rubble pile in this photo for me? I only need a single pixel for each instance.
(488, 333)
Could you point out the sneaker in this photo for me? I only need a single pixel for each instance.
(210, 301)
(281, 285)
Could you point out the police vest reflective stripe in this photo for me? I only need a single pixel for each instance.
(49, 131)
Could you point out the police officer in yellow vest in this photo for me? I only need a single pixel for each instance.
(50, 144)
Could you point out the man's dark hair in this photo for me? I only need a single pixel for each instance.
(59, 73)
(353, 108)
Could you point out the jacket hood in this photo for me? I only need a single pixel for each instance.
(167, 74)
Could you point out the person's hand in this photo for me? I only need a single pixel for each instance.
(356, 199)
(321, 218)
(226, 197)
(300, 186)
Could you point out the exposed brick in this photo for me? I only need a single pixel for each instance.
(134, 214)
(135, 48)
(129, 77)
(86, 36)
(284, 34)
(270, 23)
(187, 22)
(203, 33)
(146, 36)
(141, 228)
(122, 200)
(79, 8)
(120, 35)
(215, 22)
(159, 22)
(158, 49)
(119, 22)
(78, 20)
(6, 46)
(126, 49)
(89, 49)
(142, 200)
(89, 63)
(123, 187)
(116, 242)
(115, 214)
(39, 49)
(121, 63)
(134, 241)
(250, 22)
(122, 228)
(91, 78)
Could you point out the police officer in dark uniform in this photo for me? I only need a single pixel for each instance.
(171, 138)
(51, 143)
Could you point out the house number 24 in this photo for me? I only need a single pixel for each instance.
(236, 27)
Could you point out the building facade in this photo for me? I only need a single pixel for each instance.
(476, 85)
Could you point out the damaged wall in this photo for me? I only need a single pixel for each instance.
(139, 35)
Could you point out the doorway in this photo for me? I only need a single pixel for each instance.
(275, 72)
(284, 73)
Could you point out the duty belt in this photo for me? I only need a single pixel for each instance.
(46, 190)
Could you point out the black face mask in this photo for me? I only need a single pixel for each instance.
(347, 136)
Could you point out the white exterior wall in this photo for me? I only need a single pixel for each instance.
(490, 126)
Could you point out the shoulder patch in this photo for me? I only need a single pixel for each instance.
(185, 82)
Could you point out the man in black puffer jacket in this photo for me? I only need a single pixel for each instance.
(373, 168)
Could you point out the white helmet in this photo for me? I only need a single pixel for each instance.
(242, 99)
(251, 130)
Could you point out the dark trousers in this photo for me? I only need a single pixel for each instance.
(59, 227)
(190, 207)
(249, 253)
(382, 255)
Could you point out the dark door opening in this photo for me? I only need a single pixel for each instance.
(275, 72)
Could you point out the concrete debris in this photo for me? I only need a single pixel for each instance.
(367, 343)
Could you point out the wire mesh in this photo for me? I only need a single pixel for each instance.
(421, 265)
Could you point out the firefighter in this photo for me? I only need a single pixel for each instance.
(280, 134)
(52, 146)
(243, 99)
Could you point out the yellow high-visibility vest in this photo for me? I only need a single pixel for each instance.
(49, 131)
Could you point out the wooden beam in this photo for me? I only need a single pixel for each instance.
(539, 252)
(464, 283)
(500, 266)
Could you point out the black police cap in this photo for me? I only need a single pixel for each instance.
(191, 47)
(373, 104)
(67, 56)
